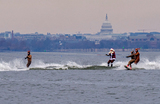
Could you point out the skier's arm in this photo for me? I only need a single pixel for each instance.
(108, 54)
(26, 57)
(129, 56)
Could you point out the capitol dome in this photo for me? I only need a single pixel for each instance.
(106, 27)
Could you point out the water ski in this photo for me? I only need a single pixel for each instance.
(127, 68)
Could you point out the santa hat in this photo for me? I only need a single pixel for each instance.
(112, 49)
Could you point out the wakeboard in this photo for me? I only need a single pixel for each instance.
(127, 68)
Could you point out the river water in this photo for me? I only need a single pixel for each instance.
(81, 78)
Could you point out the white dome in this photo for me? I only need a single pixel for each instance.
(106, 27)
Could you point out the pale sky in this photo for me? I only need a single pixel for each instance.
(73, 16)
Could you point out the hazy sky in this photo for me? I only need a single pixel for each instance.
(72, 16)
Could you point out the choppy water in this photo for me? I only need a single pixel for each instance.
(81, 78)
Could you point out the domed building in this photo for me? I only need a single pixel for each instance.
(106, 33)
(106, 27)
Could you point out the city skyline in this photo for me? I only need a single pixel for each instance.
(73, 16)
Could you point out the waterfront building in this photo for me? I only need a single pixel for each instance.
(135, 37)
(149, 40)
(7, 35)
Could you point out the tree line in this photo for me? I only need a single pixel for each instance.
(51, 45)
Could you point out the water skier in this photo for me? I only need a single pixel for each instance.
(133, 58)
(137, 54)
(112, 56)
(29, 57)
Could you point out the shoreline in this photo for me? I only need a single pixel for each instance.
(88, 50)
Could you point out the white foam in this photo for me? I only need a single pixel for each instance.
(14, 65)
(20, 65)
(146, 64)
(143, 64)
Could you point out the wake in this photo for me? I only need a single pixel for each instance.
(20, 65)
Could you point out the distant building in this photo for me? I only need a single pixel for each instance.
(106, 27)
(7, 35)
(1, 35)
(106, 33)
(152, 39)
(30, 36)
(135, 37)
